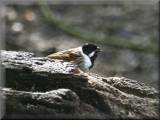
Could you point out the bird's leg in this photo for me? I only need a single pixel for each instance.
(79, 72)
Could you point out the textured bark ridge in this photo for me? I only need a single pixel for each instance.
(41, 87)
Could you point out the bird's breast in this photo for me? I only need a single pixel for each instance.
(85, 63)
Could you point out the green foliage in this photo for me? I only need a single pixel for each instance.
(113, 41)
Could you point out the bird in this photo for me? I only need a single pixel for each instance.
(83, 56)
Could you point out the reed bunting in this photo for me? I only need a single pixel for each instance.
(83, 56)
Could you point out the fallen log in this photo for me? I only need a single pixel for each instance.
(42, 87)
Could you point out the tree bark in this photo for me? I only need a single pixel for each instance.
(42, 87)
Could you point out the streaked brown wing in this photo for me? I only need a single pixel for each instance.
(68, 55)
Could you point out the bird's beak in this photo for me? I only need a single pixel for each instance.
(98, 50)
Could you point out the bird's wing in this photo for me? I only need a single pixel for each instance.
(68, 55)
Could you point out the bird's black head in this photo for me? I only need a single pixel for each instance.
(91, 50)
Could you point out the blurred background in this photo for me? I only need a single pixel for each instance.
(126, 31)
